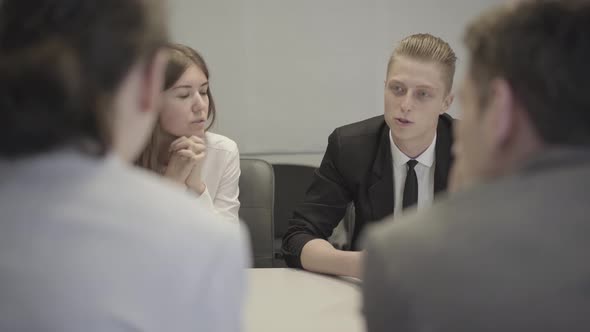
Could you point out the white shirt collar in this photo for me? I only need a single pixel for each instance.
(400, 159)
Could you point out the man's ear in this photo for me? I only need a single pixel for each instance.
(448, 102)
(152, 82)
(500, 114)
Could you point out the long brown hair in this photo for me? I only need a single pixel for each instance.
(181, 57)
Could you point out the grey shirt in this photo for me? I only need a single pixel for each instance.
(508, 256)
(91, 244)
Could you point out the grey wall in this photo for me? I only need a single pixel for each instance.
(285, 73)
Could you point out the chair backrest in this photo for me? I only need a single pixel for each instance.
(291, 183)
(257, 207)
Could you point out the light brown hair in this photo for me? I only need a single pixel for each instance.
(426, 47)
(180, 58)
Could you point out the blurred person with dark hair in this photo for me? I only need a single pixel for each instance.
(87, 241)
(508, 251)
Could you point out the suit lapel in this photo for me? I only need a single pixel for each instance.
(443, 155)
(381, 181)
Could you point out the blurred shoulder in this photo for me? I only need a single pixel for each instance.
(164, 206)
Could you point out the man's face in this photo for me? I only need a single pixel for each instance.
(415, 96)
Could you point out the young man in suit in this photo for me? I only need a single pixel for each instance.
(384, 164)
(87, 241)
(510, 252)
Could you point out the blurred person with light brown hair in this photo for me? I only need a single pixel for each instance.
(508, 251)
(87, 241)
(383, 165)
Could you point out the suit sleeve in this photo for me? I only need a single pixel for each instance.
(323, 207)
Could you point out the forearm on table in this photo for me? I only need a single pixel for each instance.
(320, 256)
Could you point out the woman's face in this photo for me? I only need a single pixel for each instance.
(186, 105)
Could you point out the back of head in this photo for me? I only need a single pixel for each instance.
(542, 49)
(61, 63)
(426, 47)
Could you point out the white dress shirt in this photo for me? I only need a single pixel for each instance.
(221, 174)
(424, 172)
(93, 244)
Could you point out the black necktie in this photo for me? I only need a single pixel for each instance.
(411, 186)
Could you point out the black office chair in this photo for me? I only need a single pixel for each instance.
(291, 184)
(257, 208)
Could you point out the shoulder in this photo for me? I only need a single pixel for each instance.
(175, 228)
(449, 220)
(370, 128)
(358, 142)
(220, 143)
(164, 208)
(447, 122)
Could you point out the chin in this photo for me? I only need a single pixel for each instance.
(200, 134)
(191, 132)
(404, 134)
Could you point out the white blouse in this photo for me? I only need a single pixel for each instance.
(221, 174)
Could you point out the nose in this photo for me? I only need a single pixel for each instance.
(406, 104)
(198, 103)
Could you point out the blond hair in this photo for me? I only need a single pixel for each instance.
(426, 47)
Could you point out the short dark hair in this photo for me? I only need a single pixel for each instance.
(542, 49)
(61, 63)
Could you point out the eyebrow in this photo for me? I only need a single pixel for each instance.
(426, 87)
(182, 87)
(189, 86)
(421, 86)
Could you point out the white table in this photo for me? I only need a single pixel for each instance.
(288, 300)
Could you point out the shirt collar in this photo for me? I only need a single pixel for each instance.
(400, 159)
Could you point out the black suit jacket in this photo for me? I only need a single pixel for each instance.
(357, 167)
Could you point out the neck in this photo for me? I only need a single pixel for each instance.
(521, 146)
(414, 148)
(518, 156)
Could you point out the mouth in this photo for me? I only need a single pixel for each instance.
(200, 121)
(403, 121)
